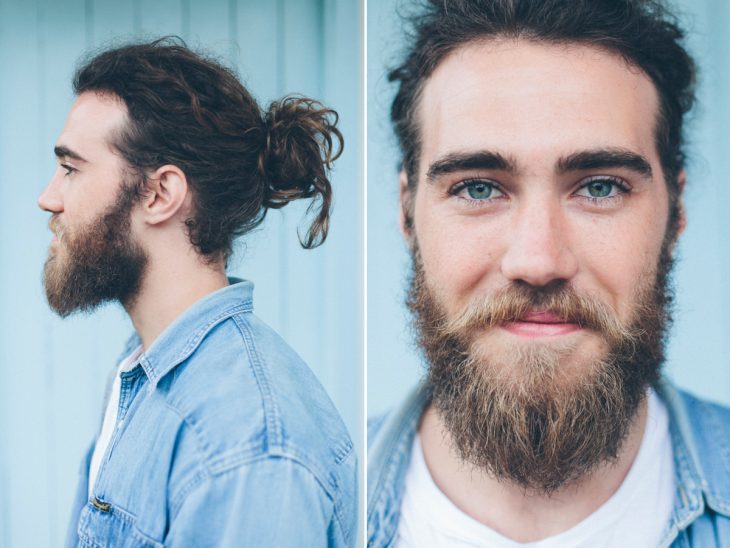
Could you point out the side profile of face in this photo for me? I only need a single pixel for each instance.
(93, 257)
(541, 249)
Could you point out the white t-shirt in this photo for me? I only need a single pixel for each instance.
(110, 417)
(635, 515)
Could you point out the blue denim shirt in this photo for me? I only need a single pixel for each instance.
(224, 438)
(700, 434)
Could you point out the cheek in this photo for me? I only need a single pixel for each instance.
(456, 258)
(623, 260)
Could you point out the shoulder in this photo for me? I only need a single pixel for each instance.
(244, 395)
(707, 421)
(701, 431)
(375, 423)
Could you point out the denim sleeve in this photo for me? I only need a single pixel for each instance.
(271, 502)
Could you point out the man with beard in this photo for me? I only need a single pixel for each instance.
(215, 432)
(541, 198)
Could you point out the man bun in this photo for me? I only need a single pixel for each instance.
(301, 142)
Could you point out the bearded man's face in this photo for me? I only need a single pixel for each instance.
(528, 417)
(540, 227)
(95, 263)
(94, 257)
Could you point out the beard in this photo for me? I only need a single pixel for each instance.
(525, 413)
(101, 261)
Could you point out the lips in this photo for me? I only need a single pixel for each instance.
(540, 324)
(541, 317)
(56, 230)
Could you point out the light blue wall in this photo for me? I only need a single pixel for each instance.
(699, 354)
(53, 372)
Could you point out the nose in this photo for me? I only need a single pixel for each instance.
(50, 199)
(538, 251)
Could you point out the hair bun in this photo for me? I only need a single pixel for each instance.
(301, 143)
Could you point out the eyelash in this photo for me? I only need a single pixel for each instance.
(619, 184)
(68, 168)
(458, 188)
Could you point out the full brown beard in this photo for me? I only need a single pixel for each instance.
(530, 419)
(101, 261)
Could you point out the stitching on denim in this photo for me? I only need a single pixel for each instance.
(718, 501)
(195, 339)
(342, 452)
(397, 452)
(337, 511)
(119, 514)
(271, 412)
(203, 331)
(203, 445)
(179, 498)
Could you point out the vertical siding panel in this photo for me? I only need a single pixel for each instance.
(301, 289)
(22, 356)
(208, 26)
(76, 368)
(257, 255)
(6, 67)
(233, 51)
(113, 21)
(702, 321)
(185, 18)
(160, 18)
(716, 17)
(343, 274)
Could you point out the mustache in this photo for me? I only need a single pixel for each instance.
(513, 302)
(55, 226)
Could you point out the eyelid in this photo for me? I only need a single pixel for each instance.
(621, 189)
(464, 183)
(618, 181)
(68, 167)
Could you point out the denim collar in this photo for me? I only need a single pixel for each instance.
(180, 339)
(388, 458)
(697, 481)
(389, 455)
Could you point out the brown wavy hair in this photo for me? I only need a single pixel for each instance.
(188, 110)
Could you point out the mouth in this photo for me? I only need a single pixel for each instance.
(540, 324)
(57, 231)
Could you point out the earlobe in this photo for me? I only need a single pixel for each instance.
(406, 208)
(166, 193)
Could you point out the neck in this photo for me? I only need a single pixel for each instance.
(170, 286)
(506, 507)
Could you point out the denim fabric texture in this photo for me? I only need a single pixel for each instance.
(224, 438)
(700, 434)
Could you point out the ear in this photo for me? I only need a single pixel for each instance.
(406, 208)
(166, 193)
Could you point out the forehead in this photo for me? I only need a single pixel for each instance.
(535, 101)
(91, 123)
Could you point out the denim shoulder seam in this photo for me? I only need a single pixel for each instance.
(274, 434)
(193, 342)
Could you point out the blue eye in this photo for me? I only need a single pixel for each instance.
(598, 188)
(477, 190)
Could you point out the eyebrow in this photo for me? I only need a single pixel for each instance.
(603, 158)
(463, 161)
(606, 158)
(65, 152)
